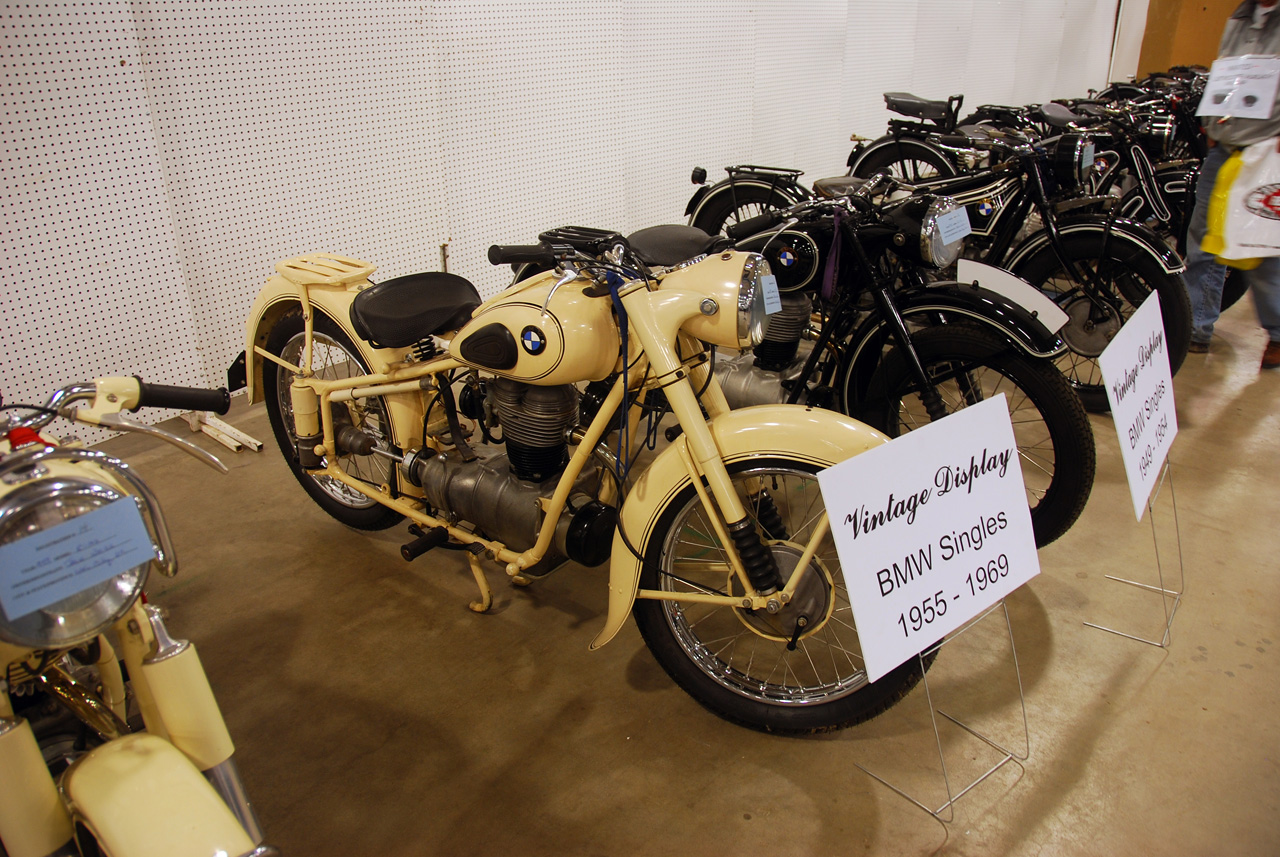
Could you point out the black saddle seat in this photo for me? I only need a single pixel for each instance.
(837, 186)
(913, 105)
(1059, 115)
(397, 313)
(673, 244)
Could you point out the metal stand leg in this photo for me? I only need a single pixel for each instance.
(1169, 598)
(945, 813)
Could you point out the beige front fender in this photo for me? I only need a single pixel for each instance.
(794, 431)
(140, 796)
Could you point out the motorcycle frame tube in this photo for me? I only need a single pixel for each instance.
(33, 821)
(142, 797)
(807, 434)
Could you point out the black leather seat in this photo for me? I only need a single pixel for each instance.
(397, 313)
(913, 105)
(837, 186)
(673, 244)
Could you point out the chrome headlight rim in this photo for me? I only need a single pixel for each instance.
(933, 251)
(88, 612)
(751, 309)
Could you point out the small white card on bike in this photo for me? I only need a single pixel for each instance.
(56, 563)
(931, 529)
(1135, 371)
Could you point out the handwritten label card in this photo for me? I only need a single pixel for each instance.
(1135, 371)
(48, 566)
(932, 529)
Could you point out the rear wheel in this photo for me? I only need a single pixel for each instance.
(1128, 275)
(967, 366)
(732, 203)
(736, 662)
(333, 356)
(909, 160)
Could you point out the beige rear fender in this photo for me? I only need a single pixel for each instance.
(278, 297)
(792, 431)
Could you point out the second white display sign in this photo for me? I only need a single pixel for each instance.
(931, 529)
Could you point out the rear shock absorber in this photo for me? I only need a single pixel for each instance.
(757, 559)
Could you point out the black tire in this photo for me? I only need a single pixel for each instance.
(968, 365)
(909, 160)
(1131, 275)
(718, 654)
(725, 205)
(1233, 287)
(333, 356)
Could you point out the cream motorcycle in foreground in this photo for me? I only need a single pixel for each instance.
(79, 532)
(721, 543)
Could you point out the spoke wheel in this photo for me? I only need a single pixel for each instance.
(737, 662)
(908, 160)
(332, 357)
(968, 366)
(726, 206)
(1129, 275)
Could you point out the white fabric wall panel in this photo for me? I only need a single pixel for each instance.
(92, 283)
(149, 200)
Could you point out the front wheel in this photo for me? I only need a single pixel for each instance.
(1128, 274)
(738, 663)
(333, 356)
(968, 365)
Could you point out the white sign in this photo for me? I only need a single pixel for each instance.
(954, 225)
(1135, 371)
(931, 529)
(1241, 86)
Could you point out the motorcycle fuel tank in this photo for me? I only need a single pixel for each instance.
(522, 335)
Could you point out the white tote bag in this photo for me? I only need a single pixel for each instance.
(1244, 213)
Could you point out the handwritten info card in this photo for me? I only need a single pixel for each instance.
(1135, 370)
(44, 568)
(931, 529)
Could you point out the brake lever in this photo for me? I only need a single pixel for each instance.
(122, 422)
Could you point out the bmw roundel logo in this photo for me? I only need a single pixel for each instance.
(985, 207)
(786, 257)
(533, 340)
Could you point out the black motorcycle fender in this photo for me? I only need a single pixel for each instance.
(696, 200)
(957, 302)
(1128, 232)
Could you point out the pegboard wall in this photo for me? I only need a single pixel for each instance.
(161, 155)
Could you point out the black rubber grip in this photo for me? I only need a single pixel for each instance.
(183, 398)
(515, 254)
(752, 225)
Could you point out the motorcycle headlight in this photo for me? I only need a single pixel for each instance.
(938, 225)
(59, 578)
(1072, 159)
(739, 291)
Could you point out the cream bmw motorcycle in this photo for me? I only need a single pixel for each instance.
(79, 533)
(510, 429)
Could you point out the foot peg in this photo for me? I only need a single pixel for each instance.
(425, 541)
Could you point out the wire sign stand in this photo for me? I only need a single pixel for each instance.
(1170, 599)
(945, 812)
(1135, 372)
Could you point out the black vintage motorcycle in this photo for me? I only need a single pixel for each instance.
(863, 330)
(1028, 219)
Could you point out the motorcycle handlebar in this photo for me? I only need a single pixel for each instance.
(515, 254)
(183, 398)
(752, 225)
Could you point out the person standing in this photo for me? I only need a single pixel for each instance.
(1254, 28)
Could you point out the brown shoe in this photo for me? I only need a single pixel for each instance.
(1198, 347)
(1271, 357)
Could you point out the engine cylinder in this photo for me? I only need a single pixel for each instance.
(534, 423)
(782, 335)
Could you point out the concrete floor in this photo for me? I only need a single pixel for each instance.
(375, 714)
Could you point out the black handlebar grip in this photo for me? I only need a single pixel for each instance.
(515, 254)
(183, 398)
(752, 225)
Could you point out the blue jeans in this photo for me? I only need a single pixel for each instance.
(1204, 276)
